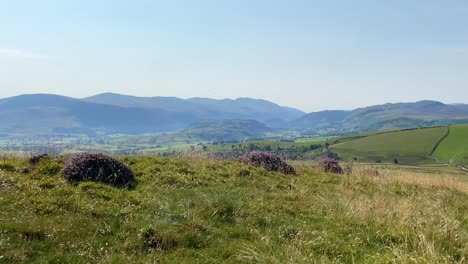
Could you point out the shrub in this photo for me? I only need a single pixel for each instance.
(37, 158)
(49, 168)
(157, 241)
(268, 161)
(97, 167)
(244, 173)
(5, 166)
(330, 165)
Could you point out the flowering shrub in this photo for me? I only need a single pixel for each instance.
(330, 165)
(97, 167)
(268, 161)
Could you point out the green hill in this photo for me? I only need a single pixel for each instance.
(447, 144)
(204, 211)
(407, 146)
(454, 148)
(394, 116)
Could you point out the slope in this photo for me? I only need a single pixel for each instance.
(407, 146)
(454, 149)
(382, 117)
(207, 211)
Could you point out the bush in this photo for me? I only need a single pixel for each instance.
(49, 168)
(268, 161)
(157, 241)
(330, 165)
(97, 167)
(37, 158)
(5, 166)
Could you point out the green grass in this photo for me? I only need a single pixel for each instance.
(408, 146)
(454, 148)
(202, 211)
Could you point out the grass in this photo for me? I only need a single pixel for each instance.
(454, 149)
(203, 211)
(408, 146)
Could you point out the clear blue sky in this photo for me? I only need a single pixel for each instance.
(308, 54)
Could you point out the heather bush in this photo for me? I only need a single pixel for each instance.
(330, 165)
(6, 166)
(268, 161)
(37, 158)
(97, 167)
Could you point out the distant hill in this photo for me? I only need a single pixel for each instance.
(45, 114)
(111, 113)
(115, 114)
(227, 130)
(204, 108)
(433, 145)
(321, 120)
(382, 117)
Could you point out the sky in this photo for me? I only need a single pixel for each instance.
(312, 55)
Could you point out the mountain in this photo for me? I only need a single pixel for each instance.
(45, 114)
(109, 113)
(320, 120)
(114, 114)
(204, 108)
(382, 117)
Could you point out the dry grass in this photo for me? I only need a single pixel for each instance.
(412, 207)
(391, 176)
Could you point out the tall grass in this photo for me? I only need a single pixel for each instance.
(192, 210)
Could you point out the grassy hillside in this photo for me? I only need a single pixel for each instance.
(199, 211)
(408, 146)
(382, 117)
(454, 148)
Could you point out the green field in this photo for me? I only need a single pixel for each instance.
(454, 149)
(205, 211)
(407, 146)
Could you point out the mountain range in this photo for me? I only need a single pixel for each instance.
(382, 117)
(109, 113)
(121, 114)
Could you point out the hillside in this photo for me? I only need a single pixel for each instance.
(321, 120)
(454, 148)
(447, 144)
(382, 117)
(409, 146)
(202, 211)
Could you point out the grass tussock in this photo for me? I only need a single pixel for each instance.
(205, 211)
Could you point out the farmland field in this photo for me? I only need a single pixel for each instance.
(454, 148)
(408, 146)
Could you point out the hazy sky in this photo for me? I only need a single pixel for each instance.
(308, 54)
